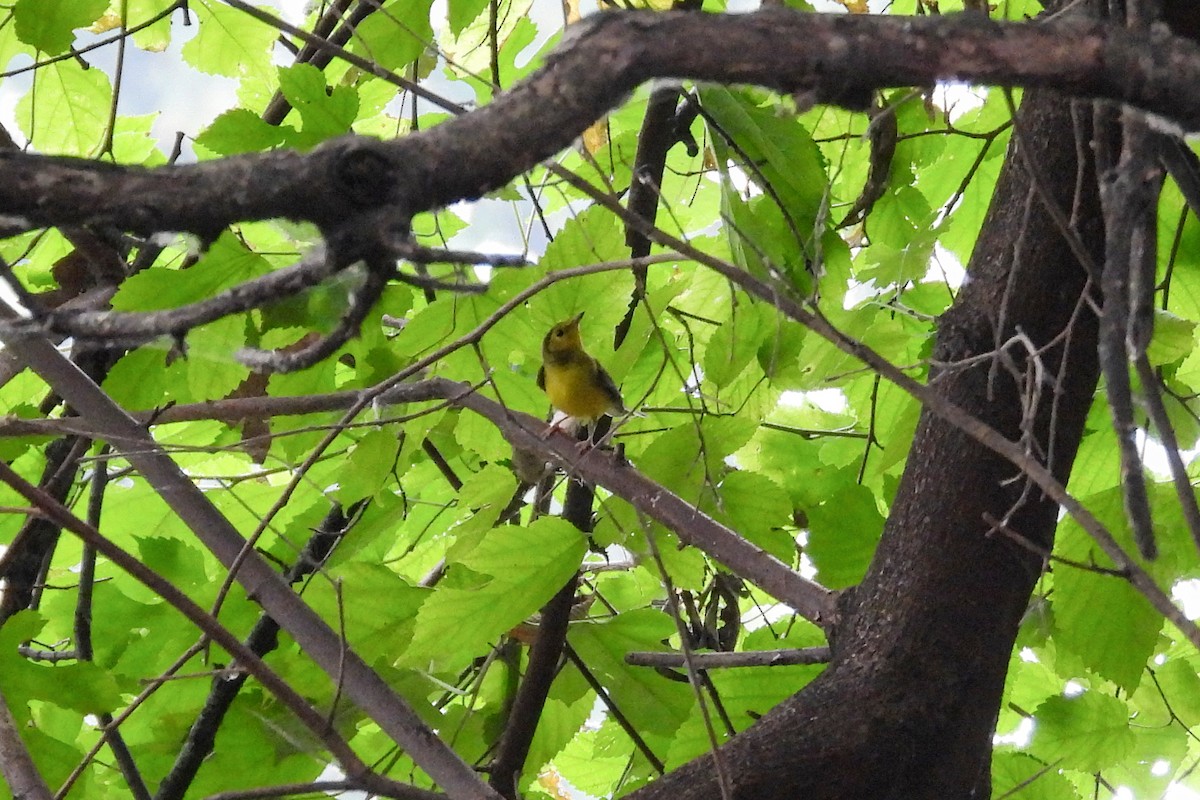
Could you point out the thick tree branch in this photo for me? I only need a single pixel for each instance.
(602, 59)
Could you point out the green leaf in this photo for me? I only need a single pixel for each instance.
(650, 701)
(229, 42)
(786, 159)
(49, 25)
(481, 437)
(175, 560)
(1106, 622)
(395, 35)
(689, 455)
(1023, 777)
(226, 263)
(370, 466)
(1174, 338)
(240, 130)
(212, 371)
(156, 37)
(373, 606)
(516, 571)
(1087, 732)
(1180, 686)
(138, 380)
(843, 532)
(1100, 618)
(736, 342)
(763, 239)
(82, 687)
(757, 508)
(67, 111)
(492, 487)
(887, 265)
(469, 53)
(325, 112)
(593, 769)
(461, 13)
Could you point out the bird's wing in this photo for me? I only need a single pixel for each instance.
(541, 379)
(609, 387)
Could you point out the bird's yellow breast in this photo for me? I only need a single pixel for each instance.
(574, 390)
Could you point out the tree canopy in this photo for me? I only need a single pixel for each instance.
(903, 300)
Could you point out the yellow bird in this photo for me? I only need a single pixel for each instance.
(574, 381)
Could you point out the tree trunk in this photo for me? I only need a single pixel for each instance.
(908, 706)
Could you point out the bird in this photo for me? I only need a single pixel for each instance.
(573, 380)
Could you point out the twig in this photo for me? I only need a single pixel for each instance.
(749, 658)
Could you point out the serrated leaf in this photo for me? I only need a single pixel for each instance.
(212, 371)
(1180, 685)
(1088, 732)
(374, 607)
(67, 111)
(49, 25)
(240, 130)
(324, 111)
(592, 770)
(1173, 339)
(735, 343)
(763, 239)
(518, 570)
(491, 487)
(1023, 777)
(887, 265)
(229, 42)
(684, 457)
(1106, 622)
(652, 702)
(370, 466)
(757, 508)
(843, 532)
(461, 13)
(480, 436)
(138, 380)
(178, 562)
(780, 148)
(395, 35)
(903, 221)
(227, 262)
(156, 37)
(469, 52)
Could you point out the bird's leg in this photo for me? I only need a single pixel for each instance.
(560, 422)
(605, 428)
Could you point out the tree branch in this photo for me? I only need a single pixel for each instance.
(20, 773)
(749, 658)
(827, 57)
(246, 659)
(262, 639)
(363, 685)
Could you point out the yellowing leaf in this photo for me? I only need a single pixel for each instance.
(596, 136)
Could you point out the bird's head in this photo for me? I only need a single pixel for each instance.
(563, 337)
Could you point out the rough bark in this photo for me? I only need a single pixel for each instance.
(908, 705)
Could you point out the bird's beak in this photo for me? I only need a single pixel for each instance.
(575, 319)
